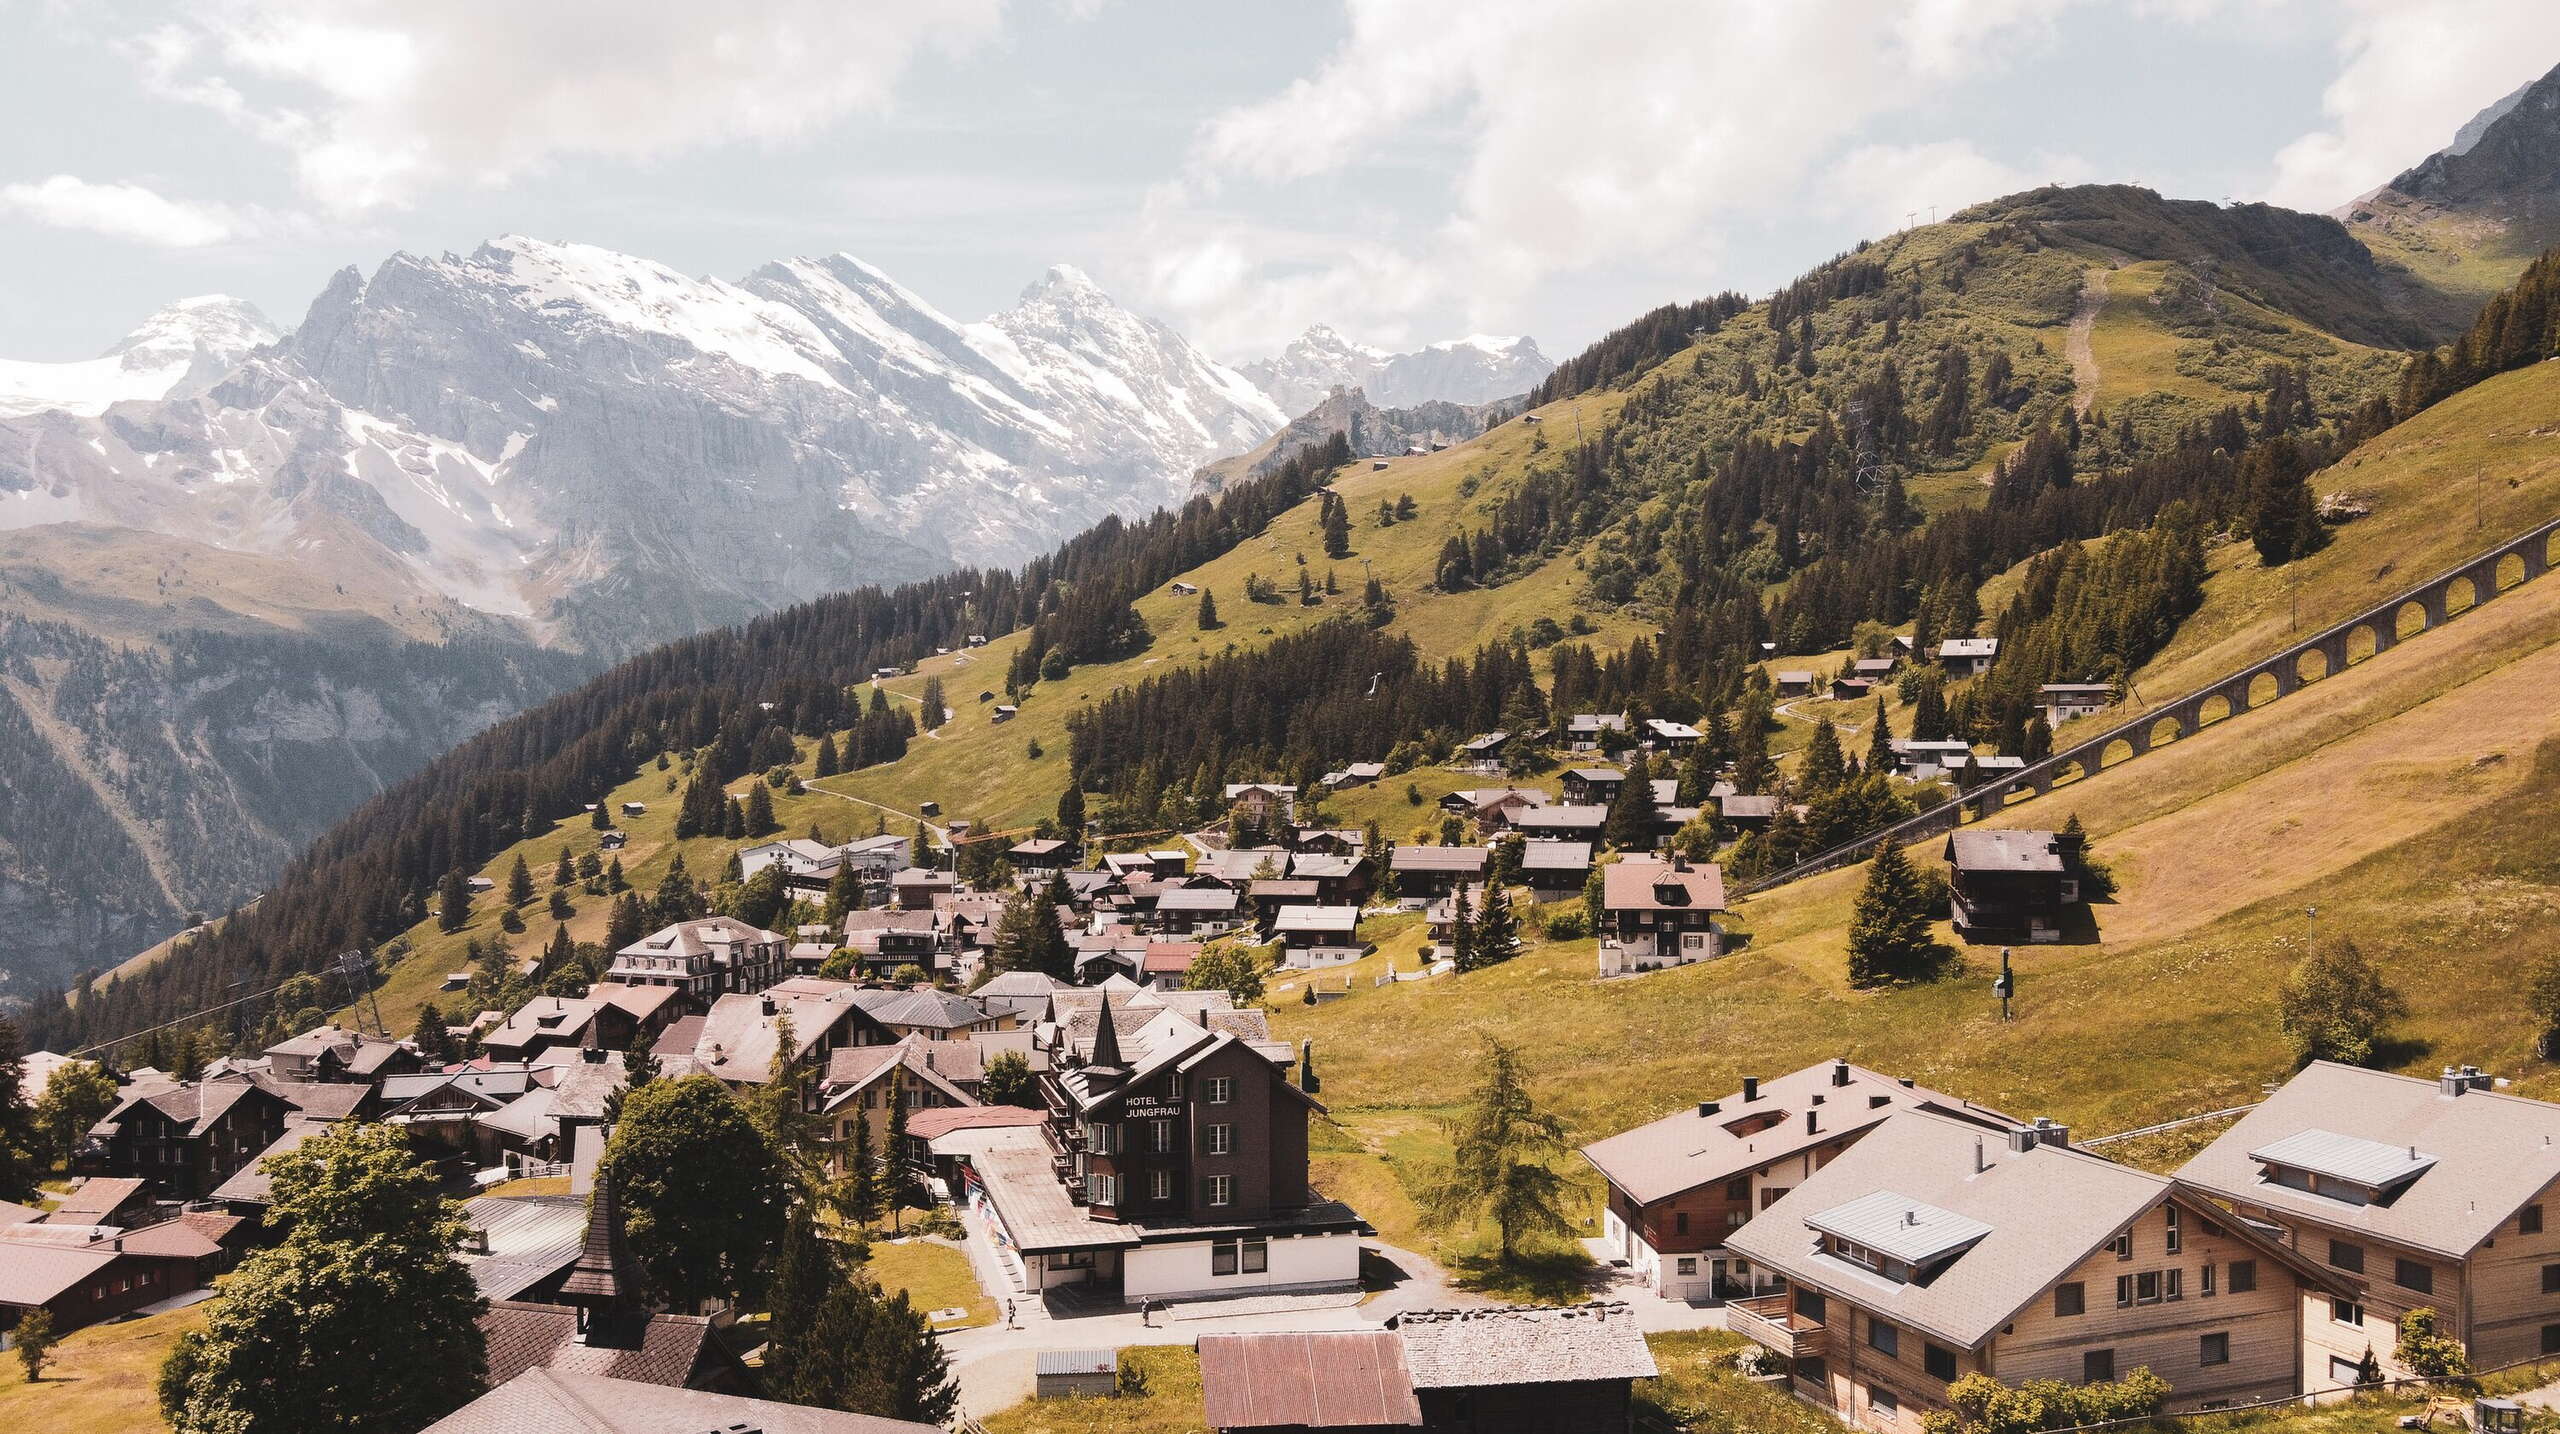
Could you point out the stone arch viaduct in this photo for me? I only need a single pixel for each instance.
(2475, 580)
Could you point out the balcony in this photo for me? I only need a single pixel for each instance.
(1773, 1321)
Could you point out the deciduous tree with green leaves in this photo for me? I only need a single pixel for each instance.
(1231, 968)
(2334, 1003)
(359, 1322)
(703, 1189)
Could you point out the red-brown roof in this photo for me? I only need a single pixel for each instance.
(1336, 1379)
(942, 1120)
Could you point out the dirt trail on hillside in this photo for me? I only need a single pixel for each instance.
(2075, 347)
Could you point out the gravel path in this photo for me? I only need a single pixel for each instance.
(2075, 346)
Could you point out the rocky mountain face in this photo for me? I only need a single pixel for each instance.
(178, 352)
(2508, 156)
(2462, 223)
(1474, 370)
(1372, 431)
(541, 456)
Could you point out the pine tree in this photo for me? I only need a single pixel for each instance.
(561, 910)
(1823, 766)
(1071, 812)
(1462, 931)
(1630, 825)
(1209, 611)
(601, 816)
(825, 764)
(857, 1191)
(453, 901)
(759, 815)
(1502, 1167)
(519, 882)
(806, 1271)
(565, 871)
(1497, 933)
(20, 1166)
(932, 704)
(1336, 519)
(1880, 740)
(1889, 935)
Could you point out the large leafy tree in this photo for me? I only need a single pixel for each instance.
(1008, 1079)
(1231, 968)
(360, 1322)
(78, 1096)
(1503, 1168)
(704, 1192)
(2334, 1004)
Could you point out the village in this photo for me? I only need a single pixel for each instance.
(1049, 1062)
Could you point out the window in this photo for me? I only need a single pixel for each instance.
(1882, 1400)
(1738, 1189)
(2346, 1312)
(1173, 1085)
(1884, 1339)
(1222, 1189)
(2551, 1339)
(1222, 1257)
(1680, 1222)
(2170, 1212)
(2122, 1245)
(1222, 1140)
(1164, 1137)
(2244, 1277)
(1104, 1189)
(2551, 1279)
(2175, 1282)
(1221, 1089)
(2204, 1282)
(2146, 1288)
(1257, 1256)
(1688, 1264)
(2344, 1372)
(1160, 1184)
(1811, 1304)
(2529, 1220)
(2070, 1299)
(2213, 1349)
(2411, 1275)
(1940, 1361)
(2097, 1366)
(2346, 1257)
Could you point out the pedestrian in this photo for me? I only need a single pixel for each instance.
(1008, 1314)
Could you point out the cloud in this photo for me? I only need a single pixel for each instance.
(126, 211)
(1884, 187)
(1609, 133)
(2413, 72)
(379, 101)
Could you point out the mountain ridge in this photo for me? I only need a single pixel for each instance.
(1477, 369)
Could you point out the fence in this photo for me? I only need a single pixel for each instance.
(2166, 1126)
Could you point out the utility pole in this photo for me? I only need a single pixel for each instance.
(2004, 985)
(2479, 486)
(357, 969)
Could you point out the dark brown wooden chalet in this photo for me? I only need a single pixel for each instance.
(1592, 786)
(183, 1140)
(1427, 871)
(2011, 884)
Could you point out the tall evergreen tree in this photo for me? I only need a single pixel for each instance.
(1503, 1161)
(1630, 825)
(20, 1164)
(1462, 931)
(1880, 739)
(1497, 933)
(519, 882)
(453, 901)
(760, 820)
(1889, 935)
(826, 763)
(1209, 611)
(564, 871)
(1823, 766)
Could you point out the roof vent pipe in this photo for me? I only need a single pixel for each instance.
(1840, 1071)
(1707, 1108)
(1750, 1088)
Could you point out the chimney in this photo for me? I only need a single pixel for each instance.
(1906, 1082)
(1979, 1163)
(1750, 1089)
(592, 1055)
(2022, 1139)
(1813, 1122)
(2450, 1082)
(766, 1004)
(1840, 1071)
(1707, 1108)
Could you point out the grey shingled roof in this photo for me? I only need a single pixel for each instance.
(2004, 850)
(522, 1336)
(1471, 1349)
(2044, 1211)
(2493, 1154)
(1686, 1150)
(550, 1401)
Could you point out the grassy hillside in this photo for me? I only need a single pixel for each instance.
(2406, 800)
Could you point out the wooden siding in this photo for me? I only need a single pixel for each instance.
(2264, 1324)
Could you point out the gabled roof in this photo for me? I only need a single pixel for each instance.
(2487, 1154)
(553, 1401)
(923, 1009)
(1441, 858)
(1197, 898)
(1477, 1348)
(522, 1336)
(97, 1198)
(1536, 855)
(1686, 1150)
(1317, 920)
(1635, 884)
(1978, 849)
(2028, 1219)
(1339, 1379)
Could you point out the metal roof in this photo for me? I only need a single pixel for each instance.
(1353, 1379)
(2346, 1157)
(1076, 1361)
(1913, 1231)
(2004, 850)
(1317, 918)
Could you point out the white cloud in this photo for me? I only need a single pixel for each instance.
(1609, 133)
(1883, 187)
(378, 101)
(2413, 72)
(126, 211)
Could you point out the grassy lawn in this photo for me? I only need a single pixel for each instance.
(1699, 1389)
(1171, 1404)
(935, 1276)
(102, 1379)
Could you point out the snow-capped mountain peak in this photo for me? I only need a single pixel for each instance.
(183, 349)
(550, 431)
(1476, 369)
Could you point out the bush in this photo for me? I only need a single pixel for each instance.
(1568, 925)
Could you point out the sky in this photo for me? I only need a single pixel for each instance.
(1404, 170)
